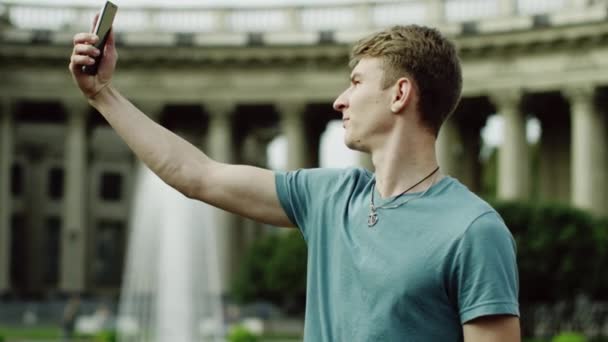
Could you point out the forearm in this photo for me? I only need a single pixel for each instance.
(164, 152)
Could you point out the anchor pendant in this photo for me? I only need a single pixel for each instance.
(372, 218)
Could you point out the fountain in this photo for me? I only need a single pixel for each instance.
(171, 287)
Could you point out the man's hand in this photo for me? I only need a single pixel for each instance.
(83, 54)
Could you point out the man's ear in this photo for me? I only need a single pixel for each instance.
(402, 94)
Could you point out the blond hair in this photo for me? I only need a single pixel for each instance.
(423, 54)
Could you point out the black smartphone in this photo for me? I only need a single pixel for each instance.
(102, 30)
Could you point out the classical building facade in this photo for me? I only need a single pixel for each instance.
(231, 80)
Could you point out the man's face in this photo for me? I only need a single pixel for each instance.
(365, 105)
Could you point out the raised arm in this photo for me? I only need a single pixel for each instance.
(243, 190)
(498, 328)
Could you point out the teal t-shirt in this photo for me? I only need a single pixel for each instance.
(421, 272)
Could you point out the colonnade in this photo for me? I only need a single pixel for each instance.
(220, 142)
(572, 162)
(572, 156)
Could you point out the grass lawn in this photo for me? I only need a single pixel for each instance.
(54, 333)
(38, 332)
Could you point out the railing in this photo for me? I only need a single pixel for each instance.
(356, 15)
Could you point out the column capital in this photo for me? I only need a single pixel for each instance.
(508, 98)
(290, 109)
(580, 93)
(220, 108)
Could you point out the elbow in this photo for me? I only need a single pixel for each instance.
(186, 176)
(187, 181)
(189, 191)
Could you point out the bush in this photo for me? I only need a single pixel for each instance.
(241, 334)
(569, 337)
(274, 269)
(106, 336)
(561, 251)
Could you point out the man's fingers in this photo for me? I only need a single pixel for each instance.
(85, 38)
(82, 60)
(86, 49)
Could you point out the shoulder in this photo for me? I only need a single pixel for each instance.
(324, 177)
(466, 207)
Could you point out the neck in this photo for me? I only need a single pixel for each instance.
(403, 160)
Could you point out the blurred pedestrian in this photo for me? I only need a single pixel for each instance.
(70, 315)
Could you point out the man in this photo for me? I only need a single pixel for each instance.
(405, 254)
(70, 315)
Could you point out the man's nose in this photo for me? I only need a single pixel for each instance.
(340, 103)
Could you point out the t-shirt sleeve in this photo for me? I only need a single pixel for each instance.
(303, 191)
(485, 270)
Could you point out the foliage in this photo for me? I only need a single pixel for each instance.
(274, 269)
(30, 333)
(561, 251)
(569, 337)
(240, 334)
(106, 336)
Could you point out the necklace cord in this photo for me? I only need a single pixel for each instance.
(401, 194)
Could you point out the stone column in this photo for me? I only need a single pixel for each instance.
(459, 144)
(554, 157)
(588, 151)
(293, 126)
(74, 231)
(220, 140)
(513, 154)
(449, 147)
(470, 137)
(220, 147)
(7, 128)
(253, 153)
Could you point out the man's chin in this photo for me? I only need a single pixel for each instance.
(354, 145)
